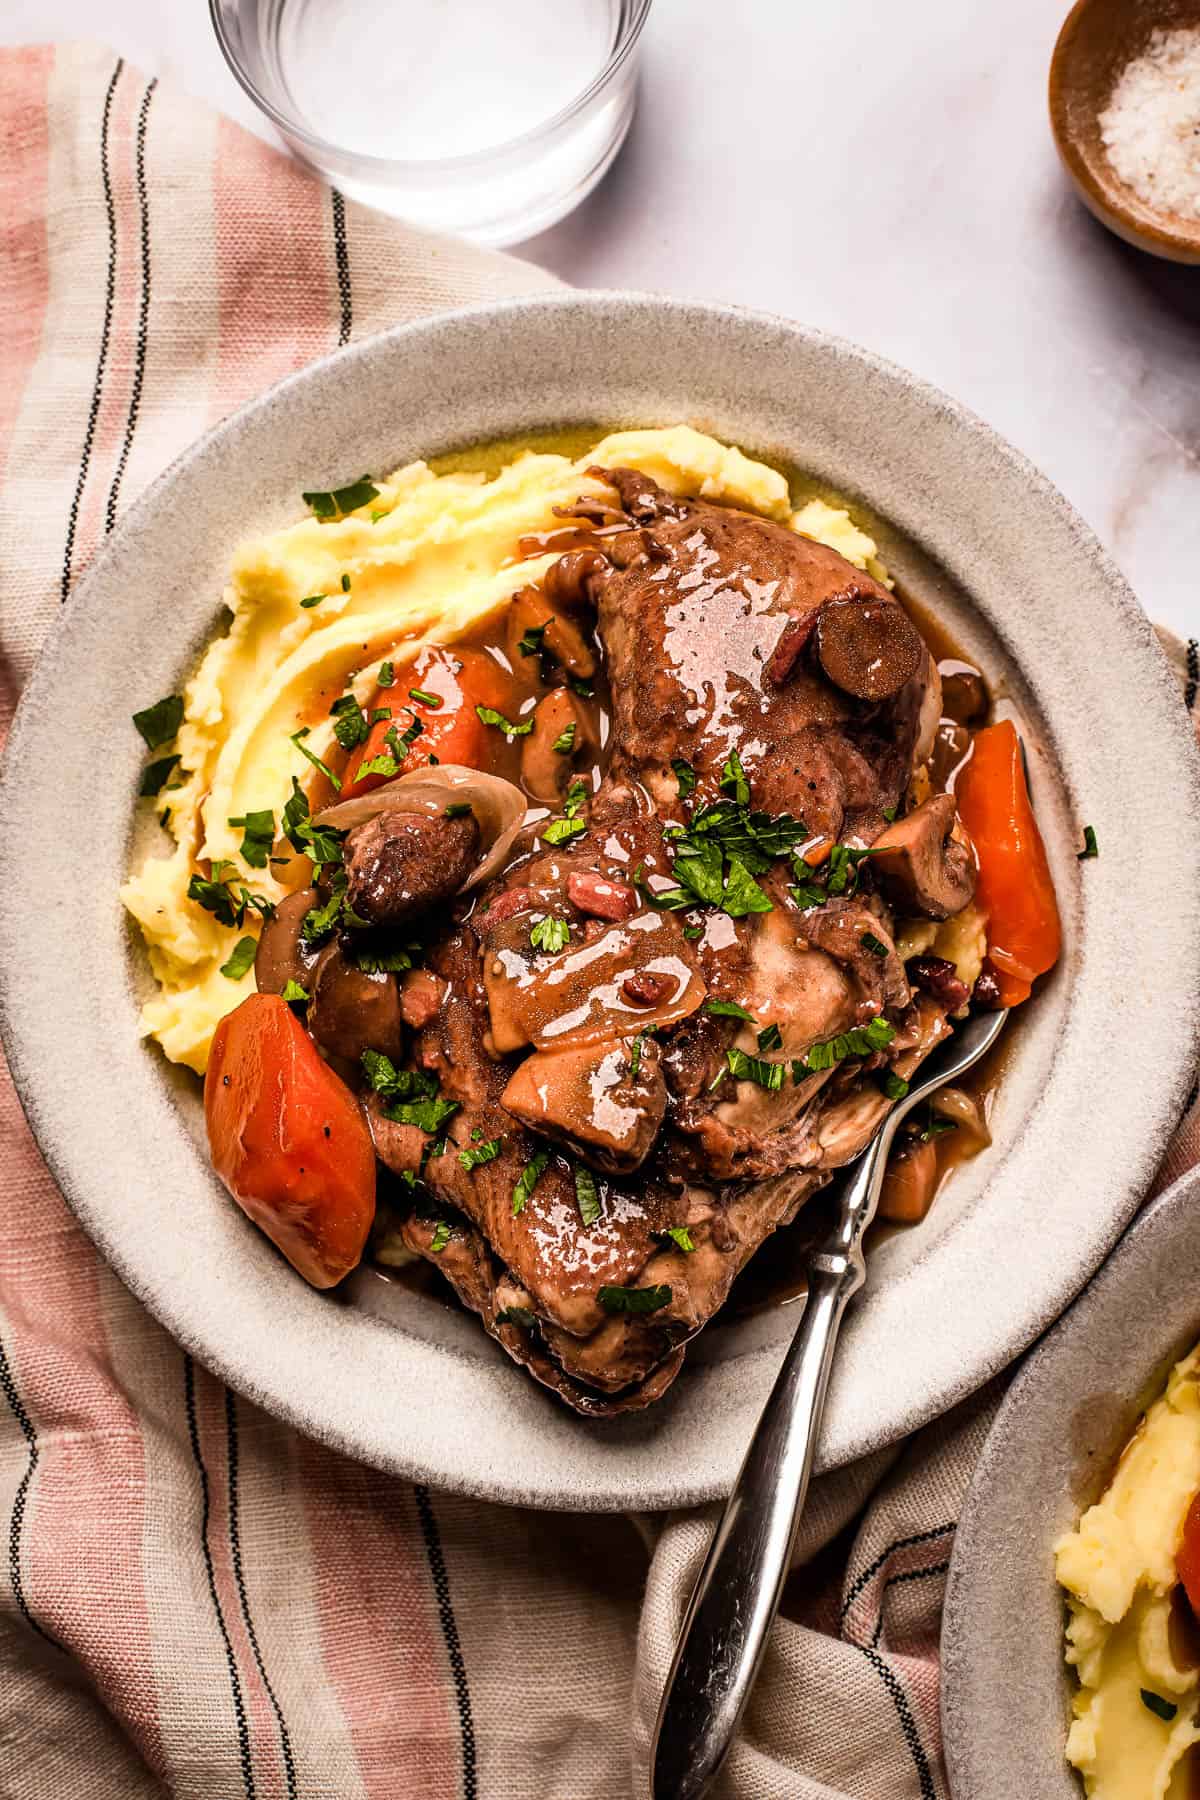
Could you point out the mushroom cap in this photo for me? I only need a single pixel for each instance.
(868, 647)
(919, 863)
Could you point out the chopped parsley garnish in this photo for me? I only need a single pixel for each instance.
(530, 1177)
(480, 1153)
(764, 1074)
(489, 716)
(320, 921)
(889, 813)
(228, 905)
(394, 1083)
(350, 722)
(728, 1009)
(440, 1238)
(843, 867)
(258, 837)
(1091, 848)
(634, 1299)
(155, 776)
(531, 644)
(635, 1055)
(297, 739)
(313, 600)
(680, 1236)
(564, 743)
(427, 699)
(323, 843)
(379, 714)
(335, 503)
(723, 847)
(692, 932)
(937, 1128)
(583, 688)
(894, 1086)
(550, 935)
(387, 675)
(587, 1197)
(770, 1037)
(516, 1315)
(385, 960)
(159, 723)
(875, 945)
(458, 809)
(345, 584)
(733, 780)
(807, 894)
(860, 1040)
(428, 1115)
(561, 831)
(685, 775)
(1163, 1709)
(294, 994)
(240, 958)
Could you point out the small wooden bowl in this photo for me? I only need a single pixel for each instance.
(1099, 38)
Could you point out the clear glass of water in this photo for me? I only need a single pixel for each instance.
(489, 118)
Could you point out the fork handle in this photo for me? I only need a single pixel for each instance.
(737, 1595)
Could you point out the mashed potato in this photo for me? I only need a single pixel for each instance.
(1136, 1703)
(426, 561)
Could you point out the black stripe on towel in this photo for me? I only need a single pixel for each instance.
(16, 1523)
(341, 252)
(139, 363)
(243, 1729)
(942, 1568)
(105, 334)
(454, 1655)
(235, 1545)
(908, 1724)
(904, 1543)
(1193, 673)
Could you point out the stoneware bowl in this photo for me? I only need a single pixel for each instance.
(1006, 1692)
(1098, 39)
(1098, 1069)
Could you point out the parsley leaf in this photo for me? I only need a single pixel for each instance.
(742, 893)
(634, 1299)
(586, 1196)
(323, 843)
(870, 942)
(458, 809)
(728, 1009)
(293, 993)
(489, 716)
(296, 738)
(767, 1075)
(530, 1177)
(350, 722)
(335, 503)
(894, 1086)
(480, 1153)
(227, 905)
(531, 644)
(427, 699)
(733, 780)
(258, 837)
(561, 831)
(428, 1114)
(635, 1055)
(516, 1315)
(564, 743)
(1165, 1709)
(313, 600)
(345, 584)
(860, 1040)
(550, 935)
(155, 776)
(770, 1038)
(1091, 848)
(393, 1083)
(159, 723)
(440, 1238)
(680, 1236)
(685, 775)
(387, 675)
(383, 959)
(240, 958)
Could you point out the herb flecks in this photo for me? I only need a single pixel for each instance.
(240, 958)
(1090, 848)
(159, 723)
(530, 1176)
(488, 715)
(860, 1040)
(334, 503)
(587, 1196)
(258, 836)
(634, 1299)
(550, 935)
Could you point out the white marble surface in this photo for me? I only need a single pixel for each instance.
(886, 172)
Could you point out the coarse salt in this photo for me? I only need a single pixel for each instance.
(1151, 126)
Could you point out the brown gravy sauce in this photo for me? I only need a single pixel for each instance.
(776, 1275)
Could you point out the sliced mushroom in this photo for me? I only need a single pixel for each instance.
(594, 1100)
(530, 610)
(868, 647)
(351, 1011)
(546, 770)
(282, 954)
(921, 866)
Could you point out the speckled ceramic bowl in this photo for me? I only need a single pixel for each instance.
(1006, 1692)
(1103, 1059)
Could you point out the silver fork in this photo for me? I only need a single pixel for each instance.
(736, 1597)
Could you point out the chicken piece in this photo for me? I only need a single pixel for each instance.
(602, 1101)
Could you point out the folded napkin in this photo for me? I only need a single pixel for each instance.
(196, 1601)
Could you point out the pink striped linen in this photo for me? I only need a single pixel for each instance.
(195, 1601)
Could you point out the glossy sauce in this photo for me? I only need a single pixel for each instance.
(776, 1274)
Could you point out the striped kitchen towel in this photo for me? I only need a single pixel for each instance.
(195, 1601)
